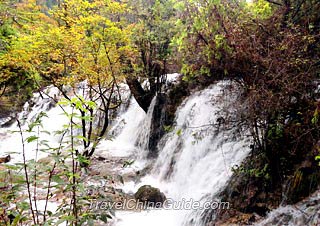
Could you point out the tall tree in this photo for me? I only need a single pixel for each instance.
(271, 48)
(80, 41)
(15, 80)
(152, 36)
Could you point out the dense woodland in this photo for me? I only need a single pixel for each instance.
(270, 48)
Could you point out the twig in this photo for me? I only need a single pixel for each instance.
(35, 178)
(50, 178)
(26, 172)
(74, 195)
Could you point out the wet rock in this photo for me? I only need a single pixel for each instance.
(136, 175)
(164, 113)
(236, 218)
(150, 195)
(157, 124)
(5, 159)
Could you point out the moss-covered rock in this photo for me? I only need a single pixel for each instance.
(149, 195)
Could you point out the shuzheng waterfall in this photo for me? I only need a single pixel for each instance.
(194, 160)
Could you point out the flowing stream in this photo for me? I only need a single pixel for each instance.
(194, 161)
(195, 156)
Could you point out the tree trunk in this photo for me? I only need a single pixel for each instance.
(143, 97)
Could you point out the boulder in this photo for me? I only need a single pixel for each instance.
(149, 195)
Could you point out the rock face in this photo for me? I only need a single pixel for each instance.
(157, 124)
(164, 113)
(149, 195)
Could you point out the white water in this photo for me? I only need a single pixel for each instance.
(10, 139)
(134, 125)
(144, 132)
(128, 122)
(55, 120)
(195, 159)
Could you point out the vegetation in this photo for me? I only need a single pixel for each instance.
(154, 29)
(32, 186)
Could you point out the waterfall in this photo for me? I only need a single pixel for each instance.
(145, 127)
(195, 158)
(126, 130)
(54, 121)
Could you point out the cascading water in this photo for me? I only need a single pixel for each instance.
(144, 133)
(127, 123)
(195, 159)
(126, 128)
(54, 121)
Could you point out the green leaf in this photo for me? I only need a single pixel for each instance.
(57, 179)
(23, 205)
(45, 131)
(32, 138)
(83, 159)
(104, 217)
(91, 104)
(81, 138)
(168, 128)
(60, 221)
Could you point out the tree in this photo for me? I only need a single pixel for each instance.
(273, 54)
(81, 41)
(16, 82)
(152, 36)
(94, 43)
